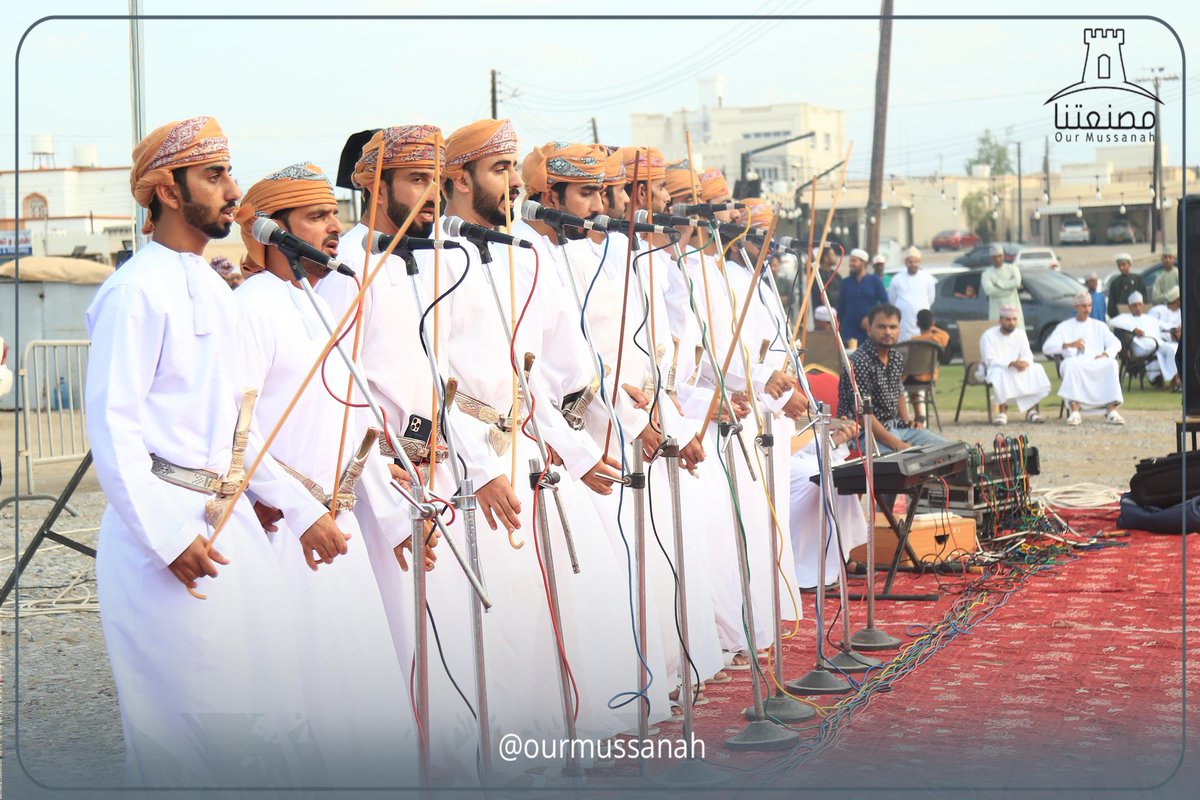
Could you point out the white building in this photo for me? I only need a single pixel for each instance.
(66, 208)
(721, 134)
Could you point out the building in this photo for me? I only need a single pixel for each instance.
(724, 136)
(81, 210)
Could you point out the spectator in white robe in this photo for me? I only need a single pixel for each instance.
(1169, 314)
(1090, 375)
(1009, 368)
(1149, 338)
(1001, 283)
(911, 291)
(805, 509)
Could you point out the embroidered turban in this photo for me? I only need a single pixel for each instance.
(713, 186)
(291, 187)
(681, 181)
(759, 211)
(614, 167)
(404, 147)
(487, 137)
(188, 143)
(653, 168)
(563, 162)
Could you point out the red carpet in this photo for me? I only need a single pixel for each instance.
(1074, 682)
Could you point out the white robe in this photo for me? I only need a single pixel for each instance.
(805, 513)
(910, 294)
(208, 689)
(1154, 340)
(1169, 319)
(362, 723)
(1002, 285)
(1087, 379)
(1025, 387)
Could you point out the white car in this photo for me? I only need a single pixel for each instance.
(6, 376)
(1035, 257)
(1074, 231)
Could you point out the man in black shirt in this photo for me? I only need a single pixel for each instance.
(878, 371)
(1124, 284)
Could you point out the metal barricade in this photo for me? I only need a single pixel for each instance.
(54, 422)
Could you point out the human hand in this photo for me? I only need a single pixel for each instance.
(325, 539)
(196, 562)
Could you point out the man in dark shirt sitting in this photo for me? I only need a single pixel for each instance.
(878, 371)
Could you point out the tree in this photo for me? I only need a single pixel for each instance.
(993, 152)
(979, 216)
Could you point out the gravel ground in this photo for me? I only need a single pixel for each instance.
(69, 723)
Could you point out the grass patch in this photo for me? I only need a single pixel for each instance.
(949, 384)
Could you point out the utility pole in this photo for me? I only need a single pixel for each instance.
(494, 114)
(1020, 200)
(1156, 178)
(595, 135)
(875, 194)
(1046, 170)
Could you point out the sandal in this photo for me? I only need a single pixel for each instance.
(721, 677)
(732, 661)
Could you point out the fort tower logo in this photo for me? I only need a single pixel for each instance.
(1089, 114)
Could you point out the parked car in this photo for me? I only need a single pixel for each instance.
(981, 256)
(1074, 230)
(955, 240)
(1046, 300)
(1034, 257)
(1121, 231)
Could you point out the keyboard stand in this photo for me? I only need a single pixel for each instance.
(901, 529)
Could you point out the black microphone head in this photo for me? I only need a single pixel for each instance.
(735, 206)
(262, 229)
(530, 209)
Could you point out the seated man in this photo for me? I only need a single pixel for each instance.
(1168, 314)
(1149, 337)
(805, 505)
(1090, 376)
(927, 332)
(878, 371)
(1009, 367)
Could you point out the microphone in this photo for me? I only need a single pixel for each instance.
(267, 231)
(732, 230)
(669, 221)
(380, 242)
(791, 244)
(703, 209)
(531, 209)
(639, 225)
(478, 234)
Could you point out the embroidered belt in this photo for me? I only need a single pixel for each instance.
(204, 481)
(499, 434)
(345, 498)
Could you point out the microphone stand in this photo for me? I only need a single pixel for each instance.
(422, 511)
(464, 501)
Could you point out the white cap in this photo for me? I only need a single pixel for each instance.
(822, 314)
(996, 250)
(879, 259)
(1135, 297)
(1172, 294)
(1092, 276)
(1168, 250)
(860, 254)
(912, 252)
(1119, 257)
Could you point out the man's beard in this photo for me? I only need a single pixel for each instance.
(397, 212)
(208, 223)
(488, 209)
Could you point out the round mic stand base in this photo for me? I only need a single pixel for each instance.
(870, 639)
(761, 734)
(691, 774)
(783, 708)
(851, 661)
(818, 681)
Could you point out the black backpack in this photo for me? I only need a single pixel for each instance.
(1158, 481)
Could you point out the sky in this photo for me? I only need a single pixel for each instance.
(290, 90)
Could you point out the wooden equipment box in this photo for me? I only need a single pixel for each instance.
(958, 534)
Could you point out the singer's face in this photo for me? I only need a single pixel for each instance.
(616, 201)
(319, 226)
(488, 180)
(209, 196)
(726, 216)
(404, 192)
(581, 199)
(660, 198)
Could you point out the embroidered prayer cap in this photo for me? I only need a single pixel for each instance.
(404, 147)
(996, 250)
(759, 211)
(1168, 249)
(681, 181)
(713, 186)
(1009, 310)
(1082, 299)
(860, 254)
(298, 185)
(1135, 297)
(187, 143)
(480, 139)
(563, 162)
(1172, 294)
(649, 162)
(912, 252)
(879, 259)
(614, 167)
(1119, 257)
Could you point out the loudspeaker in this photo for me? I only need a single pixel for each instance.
(1188, 232)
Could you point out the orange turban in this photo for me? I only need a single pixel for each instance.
(296, 186)
(759, 210)
(654, 170)
(681, 180)
(560, 162)
(404, 147)
(487, 137)
(614, 168)
(188, 143)
(713, 186)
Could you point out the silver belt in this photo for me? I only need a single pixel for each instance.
(204, 481)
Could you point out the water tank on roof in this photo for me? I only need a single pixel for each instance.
(43, 144)
(86, 155)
